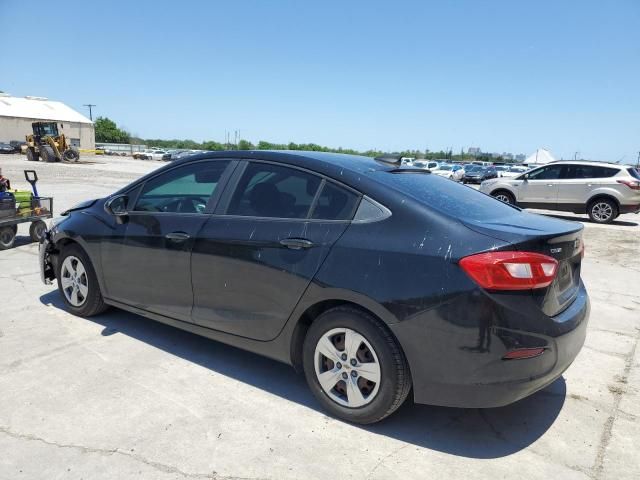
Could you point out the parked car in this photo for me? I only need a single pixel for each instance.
(426, 164)
(373, 279)
(7, 148)
(479, 174)
(452, 172)
(513, 171)
(142, 154)
(602, 190)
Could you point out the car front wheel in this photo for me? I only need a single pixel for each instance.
(504, 196)
(354, 366)
(78, 284)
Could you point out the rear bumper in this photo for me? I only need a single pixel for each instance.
(456, 367)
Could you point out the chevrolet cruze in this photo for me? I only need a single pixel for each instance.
(375, 280)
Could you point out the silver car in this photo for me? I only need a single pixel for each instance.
(602, 190)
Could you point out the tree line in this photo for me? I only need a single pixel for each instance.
(107, 131)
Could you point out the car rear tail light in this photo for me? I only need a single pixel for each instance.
(632, 184)
(510, 270)
(522, 353)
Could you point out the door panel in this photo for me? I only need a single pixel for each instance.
(246, 282)
(151, 270)
(541, 186)
(147, 261)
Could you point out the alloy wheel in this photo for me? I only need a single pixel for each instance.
(347, 367)
(602, 211)
(74, 281)
(503, 198)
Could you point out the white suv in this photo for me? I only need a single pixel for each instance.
(602, 190)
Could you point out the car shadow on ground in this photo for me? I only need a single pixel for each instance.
(474, 433)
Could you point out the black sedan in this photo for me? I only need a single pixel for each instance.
(479, 174)
(7, 148)
(372, 278)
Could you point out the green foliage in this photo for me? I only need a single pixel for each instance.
(245, 145)
(107, 131)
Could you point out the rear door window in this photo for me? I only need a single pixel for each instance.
(268, 190)
(589, 171)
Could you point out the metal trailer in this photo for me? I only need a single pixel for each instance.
(41, 208)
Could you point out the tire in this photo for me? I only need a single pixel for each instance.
(32, 155)
(378, 352)
(7, 236)
(603, 210)
(71, 155)
(36, 230)
(87, 301)
(47, 154)
(504, 196)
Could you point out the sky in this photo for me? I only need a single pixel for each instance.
(505, 76)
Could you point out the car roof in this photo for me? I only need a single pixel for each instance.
(331, 164)
(585, 162)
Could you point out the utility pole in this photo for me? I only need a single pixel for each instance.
(575, 155)
(638, 161)
(90, 105)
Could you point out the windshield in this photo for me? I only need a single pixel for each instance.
(445, 167)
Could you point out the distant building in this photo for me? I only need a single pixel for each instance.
(18, 113)
(474, 151)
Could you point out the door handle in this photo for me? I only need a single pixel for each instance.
(550, 185)
(296, 243)
(177, 236)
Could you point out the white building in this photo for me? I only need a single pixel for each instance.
(17, 114)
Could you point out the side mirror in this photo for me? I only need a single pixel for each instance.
(117, 206)
(525, 177)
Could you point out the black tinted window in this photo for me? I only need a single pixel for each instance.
(589, 171)
(185, 189)
(450, 198)
(267, 190)
(335, 203)
(547, 173)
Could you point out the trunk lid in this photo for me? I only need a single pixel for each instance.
(559, 239)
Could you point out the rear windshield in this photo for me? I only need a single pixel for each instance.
(634, 172)
(447, 197)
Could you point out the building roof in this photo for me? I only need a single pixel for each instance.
(38, 108)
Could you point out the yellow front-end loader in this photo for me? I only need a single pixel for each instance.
(47, 144)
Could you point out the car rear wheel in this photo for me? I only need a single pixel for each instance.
(354, 366)
(78, 284)
(603, 210)
(504, 196)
